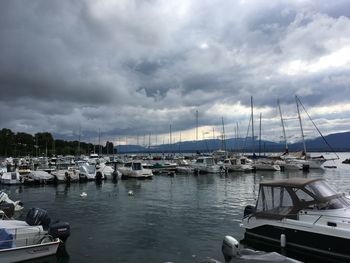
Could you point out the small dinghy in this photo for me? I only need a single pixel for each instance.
(34, 238)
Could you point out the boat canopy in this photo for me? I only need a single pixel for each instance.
(285, 198)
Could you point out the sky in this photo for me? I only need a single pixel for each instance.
(129, 69)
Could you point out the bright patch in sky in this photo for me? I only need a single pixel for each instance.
(340, 58)
(203, 45)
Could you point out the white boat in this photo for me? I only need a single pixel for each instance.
(265, 165)
(134, 169)
(10, 178)
(287, 165)
(66, 175)
(39, 177)
(306, 161)
(206, 164)
(307, 213)
(30, 239)
(107, 172)
(93, 158)
(88, 172)
(237, 164)
(183, 166)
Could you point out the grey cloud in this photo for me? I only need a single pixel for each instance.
(130, 67)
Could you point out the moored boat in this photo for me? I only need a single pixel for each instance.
(134, 169)
(11, 178)
(31, 239)
(307, 213)
(206, 164)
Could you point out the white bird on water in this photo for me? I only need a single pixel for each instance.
(83, 194)
(130, 192)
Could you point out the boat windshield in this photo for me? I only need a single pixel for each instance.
(137, 166)
(320, 189)
(210, 161)
(91, 169)
(336, 203)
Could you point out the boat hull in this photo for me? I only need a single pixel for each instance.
(29, 252)
(309, 242)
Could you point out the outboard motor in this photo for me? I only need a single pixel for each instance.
(60, 230)
(249, 209)
(38, 216)
(230, 248)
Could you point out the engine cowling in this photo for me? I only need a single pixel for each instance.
(60, 230)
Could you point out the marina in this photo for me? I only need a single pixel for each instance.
(181, 218)
(175, 131)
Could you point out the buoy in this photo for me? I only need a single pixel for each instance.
(283, 240)
(130, 193)
(83, 194)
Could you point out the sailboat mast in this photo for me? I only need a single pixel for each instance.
(283, 128)
(196, 125)
(171, 148)
(223, 135)
(252, 117)
(99, 142)
(260, 135)
(301, 125)
(180, 144)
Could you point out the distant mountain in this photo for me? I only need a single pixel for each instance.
(337, 141)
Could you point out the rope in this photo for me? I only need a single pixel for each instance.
(318, 129)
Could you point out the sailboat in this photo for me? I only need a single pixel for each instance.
(261, 164)
(287, 163)
(304, 158)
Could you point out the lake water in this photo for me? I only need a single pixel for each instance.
(168, 219)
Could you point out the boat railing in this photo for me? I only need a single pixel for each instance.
(14, 240)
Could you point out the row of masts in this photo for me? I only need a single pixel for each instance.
(223, 136)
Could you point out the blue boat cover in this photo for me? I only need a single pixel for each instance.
(6, 239)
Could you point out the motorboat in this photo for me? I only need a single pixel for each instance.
(206, 164)
(88, 172)
(66, 175)
(163, 167)
(31, 239)
(134, 169)
(183, 166)
(237, 164)
(10, 178)
(307, 213)
(24, 169)
(93, 158)
(104, 171)
(39, 177)
(287, 165)
(314, 162)
(265, 165)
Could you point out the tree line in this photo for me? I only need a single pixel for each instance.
(43, 144)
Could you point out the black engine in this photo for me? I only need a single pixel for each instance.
(60, 230)
(38, 216)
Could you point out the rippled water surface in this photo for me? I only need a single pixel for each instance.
(168, 219)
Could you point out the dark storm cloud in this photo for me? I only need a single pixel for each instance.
(133, 67)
